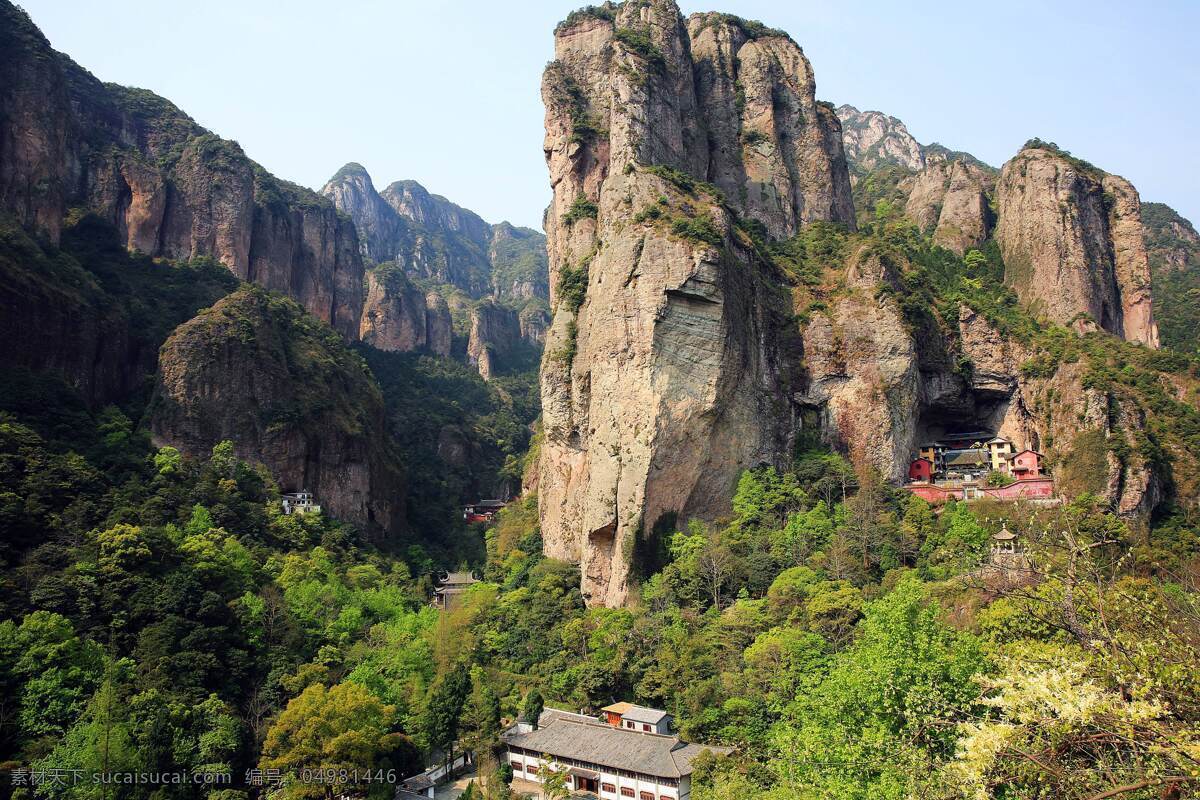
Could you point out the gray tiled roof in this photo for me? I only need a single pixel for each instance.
(642, 714)
(648, 753)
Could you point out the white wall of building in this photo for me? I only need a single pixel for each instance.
(658, 790)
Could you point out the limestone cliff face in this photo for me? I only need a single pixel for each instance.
(878, 389)
(666, 369)
(949, 198)
(495, 332)
(432, 239)
(534, 321)
(873, 139)
(400, 317)
(171, 188)
(1063, 416)
(772, 148)
(256, 370)
(378, 225)
(1073, 244)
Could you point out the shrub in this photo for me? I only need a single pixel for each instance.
(998, 479)
(572, 287)
(638, 41)
(698, 229)
(582, 207)
(751, 138)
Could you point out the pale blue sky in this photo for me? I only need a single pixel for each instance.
(447, 92)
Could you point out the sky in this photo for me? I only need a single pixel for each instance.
(446, 91)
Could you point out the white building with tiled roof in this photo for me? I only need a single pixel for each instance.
(609, 761)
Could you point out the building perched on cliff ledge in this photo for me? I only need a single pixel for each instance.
(961, 466)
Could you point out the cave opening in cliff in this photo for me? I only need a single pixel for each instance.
(971, 412)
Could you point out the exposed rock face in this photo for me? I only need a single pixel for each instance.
(666, 372)
(879, 391)
(170, 187)
(1171, 241)
(534, 321)
(253, 369)
(950, 199)
(1072, 241)
(438, 325)
(495, 334)
(435, 240)
(773, 150)
(873, 139)
(520, 270)
(399, 317)
(1060, 415)
(378, 225)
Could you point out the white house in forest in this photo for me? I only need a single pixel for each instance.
(301, 502)
(636, 758)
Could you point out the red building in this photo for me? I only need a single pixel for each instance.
(920, 470)
(1025, 464)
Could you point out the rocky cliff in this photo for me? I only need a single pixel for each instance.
(701, 323)
(91, 312)
(879, 382)
(1072, 240)
(400, 317)
(950, 200)
(433, 240)
(873, 139)
(168, 186)
(256, 370)
(495, 331)
(666, 370)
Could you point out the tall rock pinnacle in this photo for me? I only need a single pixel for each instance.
(665, 370)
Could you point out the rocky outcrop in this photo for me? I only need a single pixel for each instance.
(170, 187)
(772, 149)
(1072, 241)
(520, 270)
(949, 199)
(495, 335)
(1066, 417)
(877, 389)
(399, 317)
(432, 239)
(379, 226)
(1172, 243)
(534, 320)
(256, 370)
(873, 139)
(439, 331)
(667, 362)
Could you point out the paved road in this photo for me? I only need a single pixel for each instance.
(451, 791)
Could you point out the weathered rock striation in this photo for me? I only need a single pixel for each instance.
(495, 333)
(949, 198)
(1073, 244)
(666, 368)
(170, 187)
(399, 317)
(254, 369)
